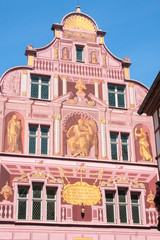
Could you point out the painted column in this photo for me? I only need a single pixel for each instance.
(103, 138)
(132, 100)
(64, 78)
(104, 94)
(57, 118)
(96, 88)
(55, 86)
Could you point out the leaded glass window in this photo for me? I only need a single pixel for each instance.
(110, 207)
(37, 202)
(33, 139)
(22, 202)
(116, 96)
(114, 146)
(124, 147)
(135, 208)
(51, 204)
(122, 198)
(40, 87)
(44, 140)
(79, 54)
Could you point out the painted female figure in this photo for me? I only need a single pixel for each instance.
(144, 145)
(14, 131)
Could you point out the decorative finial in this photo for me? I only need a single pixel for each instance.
(80, 85)
(6, 191)
(78, 7)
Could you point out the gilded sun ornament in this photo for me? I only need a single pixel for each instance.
(79, 22)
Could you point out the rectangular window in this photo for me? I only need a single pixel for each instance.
(44, 140)
(40, 87)
(22, 202)
(116, 96)
(79, 54)
(110, 207)
(114, 145)
(122, 199)
(39, 139)
(119, 146)
(32, 139)
(37, 202)
(135, 207)
(51, 204)
(113, 210)
(124, 147)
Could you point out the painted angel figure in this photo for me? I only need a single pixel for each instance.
(81, 137)
(144, 145)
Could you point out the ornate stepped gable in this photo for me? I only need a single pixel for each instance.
(73, 150)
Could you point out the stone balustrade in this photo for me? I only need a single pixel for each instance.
(44, 65)
(6, 211)
(151, 217)
(80, 69)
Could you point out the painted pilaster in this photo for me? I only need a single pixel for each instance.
(96, 88)
(132, 99)
(64, 79)
(103, 138)
(57, 118)
(55, 86)
(104, 94)
(24, 83)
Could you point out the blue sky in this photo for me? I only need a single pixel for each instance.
(133, 30)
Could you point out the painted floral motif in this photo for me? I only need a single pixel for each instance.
(11, 84)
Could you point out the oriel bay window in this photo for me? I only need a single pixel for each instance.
(38, 139)
(116, 96)
(119, 146)
(40, 87)
(122, 207)
(36, 202)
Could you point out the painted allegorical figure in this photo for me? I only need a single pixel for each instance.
(13, 132)
(144, 145)
(93, 57)
(81, 137)
(65, 53)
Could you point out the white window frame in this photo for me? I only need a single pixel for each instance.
(51, 200)
(37, 200)
(119, 144)
(116, 143)
(38, 137)
(116, 95)
(126, 144)
(136, 204)
(129, 191)
(109, 203)
(39, 83)
(43, 199)
(19, 199)
(123, 203)
(41, 126)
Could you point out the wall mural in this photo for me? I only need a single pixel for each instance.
(14, 132)
(81, 137)
(81, 192)
(143, 143)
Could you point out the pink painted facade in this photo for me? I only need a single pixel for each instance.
(79, 160)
